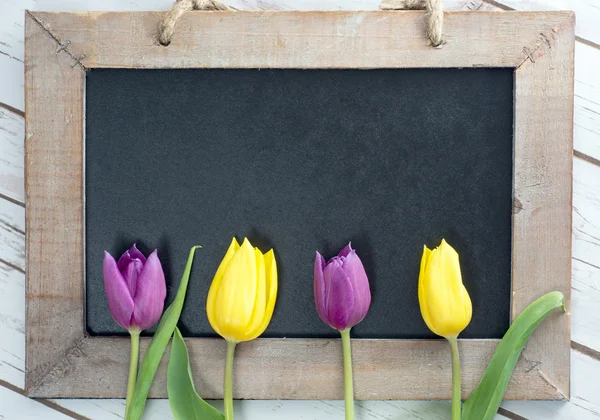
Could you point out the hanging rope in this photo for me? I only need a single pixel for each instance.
(166, 27)
(435, 15)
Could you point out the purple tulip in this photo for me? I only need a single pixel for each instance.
(342, 294)
(135, 288)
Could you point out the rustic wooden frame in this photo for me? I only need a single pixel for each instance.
(62, 361)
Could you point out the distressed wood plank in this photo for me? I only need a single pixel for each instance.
(360, 39)
(12, 232)
(588, 13)
(586, 254)
(12, 326)
(539, 403)
(297, 369)
(585, 399)
(18, 407)
(11, 51)
(317, 39)
(120, 5)
(277, 410)
(587, 100)
(12, 133)
(543, 162)
(54, 194)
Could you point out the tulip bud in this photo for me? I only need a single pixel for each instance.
(242, 295)
(341, 288)
(135, 289)
(444, 301)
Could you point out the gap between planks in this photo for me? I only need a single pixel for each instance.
(12, 109)
(574, 345)
(585, 157)
(12, 200)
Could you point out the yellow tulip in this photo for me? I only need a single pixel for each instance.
(444, 301)
(242, 295)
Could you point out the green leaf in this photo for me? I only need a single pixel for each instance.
(185, 402)
(485, 400)
(157, 347)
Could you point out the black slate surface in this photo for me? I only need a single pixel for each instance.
(304, 160)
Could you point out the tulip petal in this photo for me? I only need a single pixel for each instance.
(235, 297)
(216, 283)
(128, 256)
(135, 253)
(271, 289)
(346, 251)
(319, 287)
(354, 269)
(119, 299)
(131, 274)
(423, 285)
(340, 296)
(450, 261)
(445, 303)
(150, 294)
(260, 303)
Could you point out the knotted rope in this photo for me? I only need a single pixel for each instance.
(435, 15)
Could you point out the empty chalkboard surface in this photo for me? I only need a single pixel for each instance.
(304, 160)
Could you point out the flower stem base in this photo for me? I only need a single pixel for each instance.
(456, 402)
(348, 387)
(133, 367)
(228, 383)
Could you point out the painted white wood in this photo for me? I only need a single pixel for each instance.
(12, 293)
(14, 406)
(586, 134)
(585, 305)
(587, 11)
(12, 133)
(11, 51)
(585, 403)
(12, 234)
(12, 326)
(277, 410)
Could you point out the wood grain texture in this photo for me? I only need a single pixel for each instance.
(302, 39)
(278, 410)
(295, 369)
(588, 13)
(18, 407)
(61, 361)
(54, 197)
(585, 321)
(587, 100)
(543, 161)
(12, 231)
(584, 404)
(584, 245)
(11, 51)
(12, 132)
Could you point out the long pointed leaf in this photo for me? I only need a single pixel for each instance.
(483, 403)
(157, 347)
(185, 402)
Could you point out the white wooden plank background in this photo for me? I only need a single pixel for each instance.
(585, 353)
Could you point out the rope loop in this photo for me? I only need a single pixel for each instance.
(166, 27)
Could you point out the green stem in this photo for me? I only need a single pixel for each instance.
(348, 388)
(133, 367)
(455, 379)
(228, 385)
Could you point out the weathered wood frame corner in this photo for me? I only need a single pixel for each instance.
(62, 361)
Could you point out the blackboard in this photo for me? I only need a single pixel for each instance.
(304, 160)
